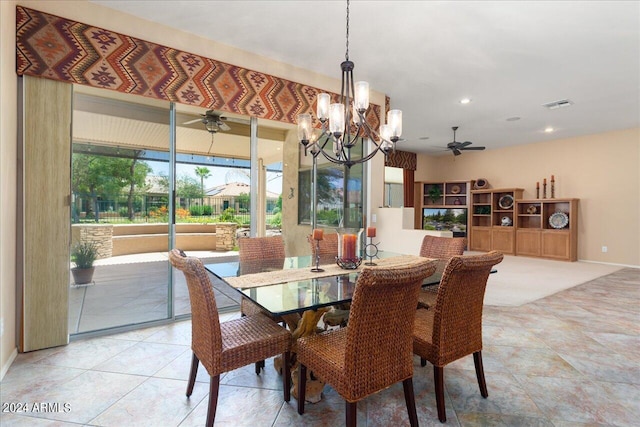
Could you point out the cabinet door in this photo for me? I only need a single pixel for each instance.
(503, 239)
(528, 242)
(480, 239)
(556, 244)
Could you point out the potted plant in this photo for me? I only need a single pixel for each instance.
(83, 254)
(435, 193)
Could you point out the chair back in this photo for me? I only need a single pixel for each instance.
(328, 247)
(379, 349)
(457, 324)
(442, 247)
(259, 248)
(206, 338)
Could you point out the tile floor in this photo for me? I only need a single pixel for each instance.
(571, 359)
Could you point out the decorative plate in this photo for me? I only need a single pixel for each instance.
(532, 210)
(506, 201)
(455, 189)
(559, 220)
(481, 183)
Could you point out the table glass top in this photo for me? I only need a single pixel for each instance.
(291, 296)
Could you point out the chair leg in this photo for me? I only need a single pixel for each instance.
(214, 385)
(192, 374)
(351, 413)
(302, 387)
(477, 360)
(438, 376)
(409, 397)
(259, 365)
(423, 362)
(286, 376)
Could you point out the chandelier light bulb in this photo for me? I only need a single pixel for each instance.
(322, 109)
(336, 119)
(394, 120)
(361, 101)
(305, 128)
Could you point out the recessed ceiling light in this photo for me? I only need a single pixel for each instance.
(465, 100)
(513, 119)
(424, 138)
(548, 129)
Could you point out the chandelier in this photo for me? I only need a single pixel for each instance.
(338, 135)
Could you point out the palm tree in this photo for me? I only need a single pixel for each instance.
(203, 172)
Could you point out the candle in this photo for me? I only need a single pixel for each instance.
(349, 247)
(552, 178)
(544, 181)
(371, 232)
(318, 234)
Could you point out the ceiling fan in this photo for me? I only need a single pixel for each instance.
(212, 121)
(457, 147)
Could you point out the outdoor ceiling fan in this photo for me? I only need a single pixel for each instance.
(457, 147)
(212, 121)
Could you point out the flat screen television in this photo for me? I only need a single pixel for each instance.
(441, 219)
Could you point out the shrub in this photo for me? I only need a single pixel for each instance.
(276, 220)
(83, 254)
(123, 212)
(206, 210)
(195, 210)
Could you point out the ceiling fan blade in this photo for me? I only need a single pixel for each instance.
(464, 144)
(452, 144)
(456, 152)
(223, 126)
(472, 148)
(192, 121)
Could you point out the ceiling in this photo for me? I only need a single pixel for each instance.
(508, 57)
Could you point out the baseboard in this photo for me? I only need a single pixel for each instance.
(7, 365)
(610, 263)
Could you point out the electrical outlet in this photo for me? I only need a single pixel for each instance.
(604, 249)
(373, 218)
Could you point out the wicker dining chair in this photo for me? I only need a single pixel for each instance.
(452, 328)
(222, 347)
(328, 246)
(442, 248)
(373, 351)
(267, 249)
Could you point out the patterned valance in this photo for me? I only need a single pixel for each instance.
(60, 49)
(402, 159)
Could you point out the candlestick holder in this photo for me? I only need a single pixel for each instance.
(371, 251)
(544, 190)
(349, 248)
(553, 189)
(537, 192)
(317, 268)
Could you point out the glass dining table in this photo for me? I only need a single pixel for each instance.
(287, 285)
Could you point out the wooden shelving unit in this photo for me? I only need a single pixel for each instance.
(442, 195)
(493, 218)
(535, 236)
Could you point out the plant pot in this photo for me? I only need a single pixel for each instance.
(82, 276)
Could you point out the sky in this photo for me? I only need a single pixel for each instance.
(219, 175)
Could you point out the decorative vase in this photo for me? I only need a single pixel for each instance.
(349, 248)
(82, 276)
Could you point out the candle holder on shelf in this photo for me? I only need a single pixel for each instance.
(553, 187)
(317, 236)
(349, 250)
(544, 189)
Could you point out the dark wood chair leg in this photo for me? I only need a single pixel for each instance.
(351, 409)
(214, 385)
(192, 374)
(286, 376)
(438, 376)
(423, 362)
(302, 387)
(410, 399)
(259, 365)
(477, 360)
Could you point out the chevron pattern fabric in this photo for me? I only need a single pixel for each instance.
(56, 48)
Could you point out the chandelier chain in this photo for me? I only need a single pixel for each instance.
(346, 55)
